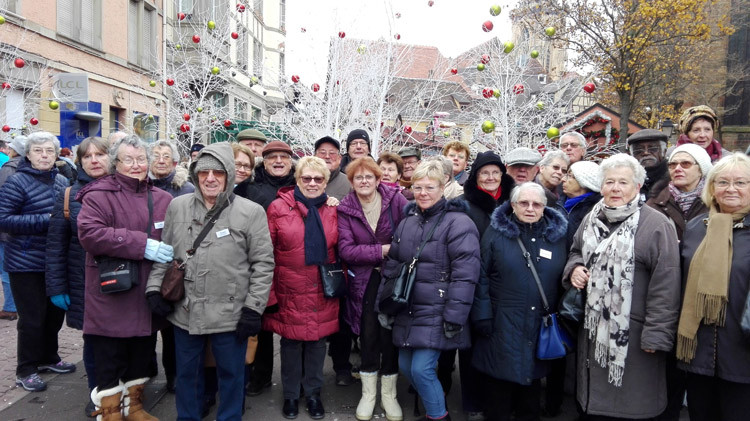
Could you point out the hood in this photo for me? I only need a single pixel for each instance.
(114, 182)
(452, 205)
(223, 152)
(554, 227)
(483, 200)
(350, 203)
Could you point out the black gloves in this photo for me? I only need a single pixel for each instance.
(271, 309)
(248, 325)
(451, 329)
(158, 304)
(483, 327)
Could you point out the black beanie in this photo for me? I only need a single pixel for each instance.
(486, 158)
(358, 134)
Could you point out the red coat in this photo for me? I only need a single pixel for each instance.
(304, 314)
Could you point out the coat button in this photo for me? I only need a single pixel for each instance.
(530, 343)
(231, 298)
(533, 308)
(119, 238)
(533, 240)
(315, 310)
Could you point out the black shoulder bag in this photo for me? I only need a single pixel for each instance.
(397, 290)
(117, 274)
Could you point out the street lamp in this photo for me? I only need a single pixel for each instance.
(667, 127)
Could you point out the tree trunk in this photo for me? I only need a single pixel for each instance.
(625, 109)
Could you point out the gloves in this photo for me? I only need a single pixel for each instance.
(158, 304)
(271, 309)
(248, 325)
(483, 327)
(61, 301)
(451, 329)
(158, 251)
(386, 321)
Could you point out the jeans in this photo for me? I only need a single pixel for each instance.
(420, 367)
(230, 371)
(293, 353)
(712, 398)
(9, 305)
(378, 351)
(121, 359)
(39, 321)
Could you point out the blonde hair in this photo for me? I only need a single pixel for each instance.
(457, 146)
(314, 163)
(432, 169)
(729, 162)
(240, 148)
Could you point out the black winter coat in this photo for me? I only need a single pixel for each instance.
(66, 259)
(262, 190)
(26, 201)
(507, 293)
(481, 204)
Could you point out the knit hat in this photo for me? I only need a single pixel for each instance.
(410, 151)
(252, 134)
(18, 144)
(196, 147)
(358, 134)
(487, 158)
(525, 156)
(327, 139)
(208, 162)
(587, 175)
(647, 135)
(276, 146)
(699, 111)
(699, 155)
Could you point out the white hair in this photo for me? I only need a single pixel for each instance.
(623, 160)
(579, 137)
(529, 185)
(129, 140)
(552, 156)
(166, 144)
(38, 138)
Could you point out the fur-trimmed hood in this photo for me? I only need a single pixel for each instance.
(452, 205)
(553, 224)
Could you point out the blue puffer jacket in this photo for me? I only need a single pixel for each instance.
(507, 293)
(447, 272)
(66, 259)
(26, 201)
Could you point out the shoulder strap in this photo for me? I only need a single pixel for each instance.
(429, 236)
(150, 212)
(390, 217)
(531, 266)
(66, 203)
(211, 222)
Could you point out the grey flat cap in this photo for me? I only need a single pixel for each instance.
(647, 134)
(525, 156)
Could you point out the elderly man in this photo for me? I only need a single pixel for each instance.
(649, 147)
(411, 157)
(329, 150)
(164, 170)
(357, 146)
(521, 164)
(459, 153)
(574, 146)
(195, 149)
(253, 139)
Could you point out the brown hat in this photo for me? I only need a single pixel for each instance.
(252, 134)
(276, 146)
(693, 113)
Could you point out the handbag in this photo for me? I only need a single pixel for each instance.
(334, 282)
(553, 342)
(745, 322)
(173, 284)
(571, 305)
(397, 289)
(117, 274)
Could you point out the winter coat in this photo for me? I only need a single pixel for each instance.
(655, 175)
(663, 201)
(508, 296)
(233, 266)
(462, 177)
(262, 190)
(66, 259)
(553, 197)
(653, 324)
(112, 222)
(304, 314)
(338, 185)
(481, 204)
(176, 183)
(26, 201)
(9, 168)
(361, 249)
(722, 352)
(67, 169)
(447, 272)
(452, 190)
(578, 212)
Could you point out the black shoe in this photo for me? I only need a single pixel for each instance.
(315, 408)
(208, 403)
(90, 408)
(170, 384)
(256, 389)
(291, 408)
(551, 412)
(344, 378)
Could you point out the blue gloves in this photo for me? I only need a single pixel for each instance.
(61, 301)
(158, 251)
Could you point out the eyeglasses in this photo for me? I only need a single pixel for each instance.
(358, 143)
(322, 153)
(360, 178)
(129, 161)
(559, 168)
(275, 156)
(684, 164)
(428, 189)
(244, 167)
(307, 179)
(216, 173)
(165, 156)
(39, 151)
(640, 150)
(485, 174)
(570, 145)
(738, 184)
(524, 204)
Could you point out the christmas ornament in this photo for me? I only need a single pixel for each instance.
(487, 93)
(6, 85)
(152, 83)
(454, 71)
(487, 26)
(550, 31)
(430, 3)
(407, 129)
(485, 58)
(446, 133)
(342, 34)
(495, 10)
(211, 25)
(184, 128)
(496, 93)
(488, 126)
(235, 35)
(295, 78)
(170, 82)
(315, 87)
(367, 112)
(508, 47)
(54, 105)
(24, 127)
(196, 39)
(171, 135)
(589, 87)
(518, 89)
(199, 109)
(254, 80)
(534, 54)
(6, 128)
(178, 47)
(540, 105)
(361, 49)
(181, 16)
(553, 132)
(480, 67)
(397, 36)
(303, 30)
(186, 117)
(186, 94)
(227, 123)
(19, 62)
(2, 20)
(215, 70)
(240, 7)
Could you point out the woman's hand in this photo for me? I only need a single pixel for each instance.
(332, 201)
(580, 277)
(386, 249)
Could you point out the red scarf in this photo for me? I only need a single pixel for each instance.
(713, 149)
(496, 195)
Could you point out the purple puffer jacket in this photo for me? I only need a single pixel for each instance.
(360, 248)
(112, 222)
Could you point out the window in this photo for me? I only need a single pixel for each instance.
(258, 8)
(142, 34)
(240, 110)
(257, 57)
(184, 6)
(243, 47)
(12, 6)
(146, 126)
(282, 59)
(220, 100)
(12, 108)
(80, 20)
(282, 14)
(256, 114)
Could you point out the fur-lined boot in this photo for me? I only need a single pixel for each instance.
(108, 403)
(132, 402)
(369, 395)
(388, 398)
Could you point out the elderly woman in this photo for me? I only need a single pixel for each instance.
(581, 186)
(122, 216)
(508, 307)
(26, 202)
(626, 256)
(367, 218)
(392, 166)
(552, 168)
(487, 187)
(244, 162)
(304, 233)
(447, 272)
(679, 199)
(227, 281)
(710, 342)
(698, 125)
(66, 259)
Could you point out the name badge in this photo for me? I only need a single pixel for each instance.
(159, 225)
(545, 253)
(222, 233)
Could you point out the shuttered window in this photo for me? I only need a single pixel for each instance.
(81, 21)
(142, 34)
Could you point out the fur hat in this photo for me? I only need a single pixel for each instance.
(693, 113)
(586, 174)
(208, 162)
(699, 155)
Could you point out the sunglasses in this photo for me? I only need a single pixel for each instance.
(684, 164)
(307, 179)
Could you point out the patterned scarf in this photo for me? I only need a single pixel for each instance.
(686, 199)
(610, 288)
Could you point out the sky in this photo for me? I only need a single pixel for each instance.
(453, 26)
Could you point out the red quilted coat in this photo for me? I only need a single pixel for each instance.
(304, 314)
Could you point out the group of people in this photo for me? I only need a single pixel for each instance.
(653, 239)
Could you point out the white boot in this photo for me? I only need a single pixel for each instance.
(108, 403)
(388, 398)
(369, 395)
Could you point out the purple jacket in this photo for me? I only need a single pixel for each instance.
(112, 222)
(360, 248)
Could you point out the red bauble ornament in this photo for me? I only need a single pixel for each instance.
(186, 94)
(184, 128)
(315, 87)
(19, 62)
(397, 36)
(342, 34)
(295, 78)
(589, 87)
(487, 92)
(181, 16)
(487, 26)
(235, 35)
(367, 112)
(454, 71)
(485, 58)
(34, 121)
(303, 30)
(6, 128)
(518, 89)
(407, 129)
(430, 3)
(227, 123)
(196, 39)
(186, 116)
(6, 85)
(240, 7)
(170, 82)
